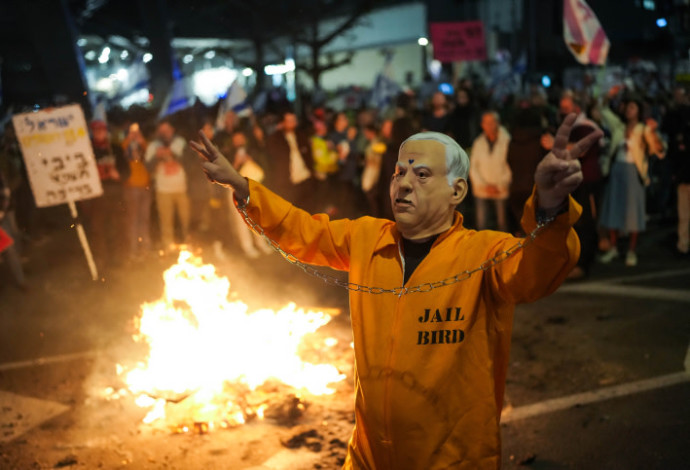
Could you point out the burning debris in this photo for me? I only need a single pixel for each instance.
(311, 439)
(212, 363)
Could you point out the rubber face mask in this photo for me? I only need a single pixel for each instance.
(421, 197)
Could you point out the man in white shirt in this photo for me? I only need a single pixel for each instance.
(164, 160)
(490, 173)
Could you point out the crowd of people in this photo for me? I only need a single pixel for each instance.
(340, 161)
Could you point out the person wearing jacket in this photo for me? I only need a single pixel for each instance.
(430, 368)
(291, 162)
(490, 173)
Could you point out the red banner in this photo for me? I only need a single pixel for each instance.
(454, 41)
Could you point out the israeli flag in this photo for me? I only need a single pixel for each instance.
(235, 100)
(385, 89)
(178, 98)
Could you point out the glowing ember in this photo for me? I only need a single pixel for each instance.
(211, 354)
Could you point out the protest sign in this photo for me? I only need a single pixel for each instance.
(60, 162)
(458, 40)
(58, 155)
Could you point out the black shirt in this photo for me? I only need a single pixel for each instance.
(414, 253)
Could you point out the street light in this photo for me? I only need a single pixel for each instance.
(105, 55)
(423, 42)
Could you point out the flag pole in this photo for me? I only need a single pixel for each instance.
(82, 239)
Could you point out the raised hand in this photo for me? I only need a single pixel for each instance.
(218, 169)
(559, 173)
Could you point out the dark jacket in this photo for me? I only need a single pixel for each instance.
(279, 159)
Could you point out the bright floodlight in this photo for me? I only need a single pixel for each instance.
(124, 54)
(210, 54)
(661, 22)
(187, 58)
(422, 41)
(105, 55)
(247, 72)
(147, 57)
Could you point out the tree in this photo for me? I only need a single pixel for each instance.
(310, 34)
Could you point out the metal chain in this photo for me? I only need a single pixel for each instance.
(399, 291)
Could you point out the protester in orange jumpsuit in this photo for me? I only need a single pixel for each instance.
(430, 367)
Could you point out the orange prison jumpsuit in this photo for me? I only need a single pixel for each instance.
(430, 368)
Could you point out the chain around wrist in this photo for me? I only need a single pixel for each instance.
(399, 291)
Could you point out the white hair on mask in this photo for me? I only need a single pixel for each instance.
(457, 161)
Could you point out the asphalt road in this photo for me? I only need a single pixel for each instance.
(599, 375)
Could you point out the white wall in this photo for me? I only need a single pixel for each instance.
(393, 25)
(367, 63)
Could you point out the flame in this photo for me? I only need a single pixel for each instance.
(201, 346)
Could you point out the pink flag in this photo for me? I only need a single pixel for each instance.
(583, 33)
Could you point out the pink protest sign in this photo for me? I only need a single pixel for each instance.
(459, 40)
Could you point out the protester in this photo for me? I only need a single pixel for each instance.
(490, 174)
(9, 236)
(623, 207)
(677, 128)
(105, 215)
(525, 151)
(588, 193)
(345, 138)
(164, 158)
(137, 194)
(251, 244)
(14, 168)
(371, 175)
(224, 135)
(199, 190)
(463, 121)
(291, 158)
(437, 119)
(325, 168)
(431, 369)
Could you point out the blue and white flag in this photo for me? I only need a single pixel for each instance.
(235, 100)
(178, 98)
(385, 89)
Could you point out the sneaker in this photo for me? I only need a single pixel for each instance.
(631, 259)
(609, 256)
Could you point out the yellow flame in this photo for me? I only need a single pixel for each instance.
(199, 342)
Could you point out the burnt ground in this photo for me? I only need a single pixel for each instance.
(574, 342)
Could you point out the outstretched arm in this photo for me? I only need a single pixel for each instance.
(218, 169)
(559, 173)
